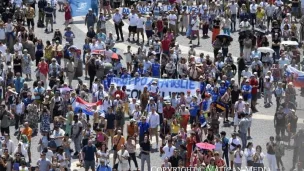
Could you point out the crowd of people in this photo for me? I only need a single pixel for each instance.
(186, 127)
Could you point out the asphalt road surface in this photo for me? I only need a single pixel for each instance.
(262, 124)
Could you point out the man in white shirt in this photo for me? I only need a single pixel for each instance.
(246, 73)
(253, 11)
(233, 9)
(2, 47)
(232, 145)
(133, 19)
(117, 18)
(195, 24)
(269, 10)
(58, 135)
(168, 150)
(283, 61)
(153, 120)
(140, 27)
(172, 22)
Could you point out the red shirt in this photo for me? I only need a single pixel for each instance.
(43, 68)
(159, 25)
(168, 112)
(120, 93)
(254, 82)
(166, 44)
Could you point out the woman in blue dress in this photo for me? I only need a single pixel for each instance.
(45, 120)
(39, 51)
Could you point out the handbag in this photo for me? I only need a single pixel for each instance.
(121, 23)
(115, 145)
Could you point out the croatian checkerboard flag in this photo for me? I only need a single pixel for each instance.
(87, 108)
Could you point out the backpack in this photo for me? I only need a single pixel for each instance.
(108, 168)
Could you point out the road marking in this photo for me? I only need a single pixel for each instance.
(122, 45)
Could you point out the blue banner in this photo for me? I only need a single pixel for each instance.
(165, 86)
(80, 7)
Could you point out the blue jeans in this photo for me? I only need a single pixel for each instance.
(226, 157)
(243, 137)
(226, 31)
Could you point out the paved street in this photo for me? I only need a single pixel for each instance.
(262, 125)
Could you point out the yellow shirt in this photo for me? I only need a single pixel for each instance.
(48, 52)
(260, 14)
(30, 13)
(174, 128)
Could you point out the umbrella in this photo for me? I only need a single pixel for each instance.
(265, 50)
(222, 36)
(205, 146)
(115, 56)
(65, 89)
(290, 43)
(98, 52)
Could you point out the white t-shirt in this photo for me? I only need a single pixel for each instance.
(235, 141)
(3, 48)
(195, 24)
(246, 73)
(172, 19)
(58, 133)
(238, 158)
(168, 151)
(140, 22)
(133, 18)
(9, 27)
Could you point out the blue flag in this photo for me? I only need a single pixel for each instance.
(80, 7)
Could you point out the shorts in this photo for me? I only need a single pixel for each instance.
(110, 132)
(5, 130)
(139, 30)
(89, 164)
(236, 121)
(249, 124)
(38, 101)
(231, 156)
(153, 131)
(149, 33)
(132, 29)
(29, 147)
(195, 32)
(49, 20)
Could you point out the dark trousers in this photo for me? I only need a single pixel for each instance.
(18, 118)
(132, 157)
(5, 131)
(226, 157)
(252, 19)
(118, 30)
(91, 81)
(205, 29)
(192, 119)
(278, 102)
(233, 22)
(295, 156)
(30, 22)
(161, 120)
